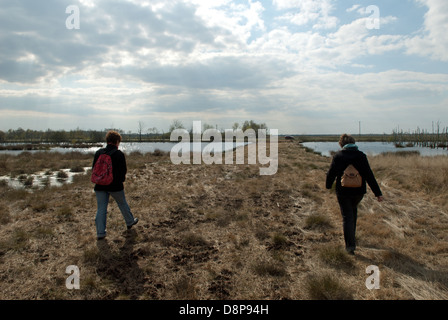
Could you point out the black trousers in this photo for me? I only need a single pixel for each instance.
(349, 211)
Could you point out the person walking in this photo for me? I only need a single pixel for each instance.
(349, 195)
(115, 188)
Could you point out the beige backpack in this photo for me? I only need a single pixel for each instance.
(351, 178)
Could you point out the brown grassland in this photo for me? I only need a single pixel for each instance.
(226, 232)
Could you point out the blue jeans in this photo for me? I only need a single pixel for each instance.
(102, 199)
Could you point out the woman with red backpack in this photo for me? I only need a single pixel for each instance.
(108, 173)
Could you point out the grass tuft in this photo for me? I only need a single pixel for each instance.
(17, 242)
(5, 216)
(194, 240)
(327, 287)
(269, 268)
(317, 221)
(335, 256)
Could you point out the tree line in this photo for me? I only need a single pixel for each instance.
(143, 133)
(51, 136)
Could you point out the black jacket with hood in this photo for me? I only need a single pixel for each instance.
(351, 155)
(119, 169)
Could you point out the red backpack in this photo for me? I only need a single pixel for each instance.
(102, 173)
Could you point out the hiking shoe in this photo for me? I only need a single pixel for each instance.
(134, 223)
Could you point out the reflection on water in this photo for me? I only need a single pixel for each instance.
(143, 147)
(371, 148)
(58, 178)
(41, 179)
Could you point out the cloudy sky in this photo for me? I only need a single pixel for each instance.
(299, 66)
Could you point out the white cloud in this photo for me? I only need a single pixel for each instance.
(353, 8)
(317, 13)
(218, 59)
(237, 21)
(434, 41)
(315, 51)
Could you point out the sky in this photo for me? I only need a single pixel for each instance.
(299, 66)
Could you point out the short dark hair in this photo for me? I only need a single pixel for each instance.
(346, 139)
(113, 137)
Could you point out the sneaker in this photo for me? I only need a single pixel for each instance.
(134, 223)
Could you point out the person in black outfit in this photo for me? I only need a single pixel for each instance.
(115, 189)
(349, 197)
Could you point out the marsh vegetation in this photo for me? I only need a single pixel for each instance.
(225, 232)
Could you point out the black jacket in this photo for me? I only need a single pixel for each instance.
(119, 169)
(358, 159)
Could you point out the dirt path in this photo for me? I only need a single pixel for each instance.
(223, 232)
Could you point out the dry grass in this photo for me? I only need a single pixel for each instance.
(326, 286)
(225, 232)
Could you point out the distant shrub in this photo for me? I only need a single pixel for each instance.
(62, 175)
(159, 153)
(77, 168)
(402, 153)
(29, 181)
(136, 154)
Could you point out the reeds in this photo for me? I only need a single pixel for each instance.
(416, 173)
(437, 138)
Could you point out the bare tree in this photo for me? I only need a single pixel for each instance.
(206, 126)
(140, 129)
(176, 124)
(152, 132)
